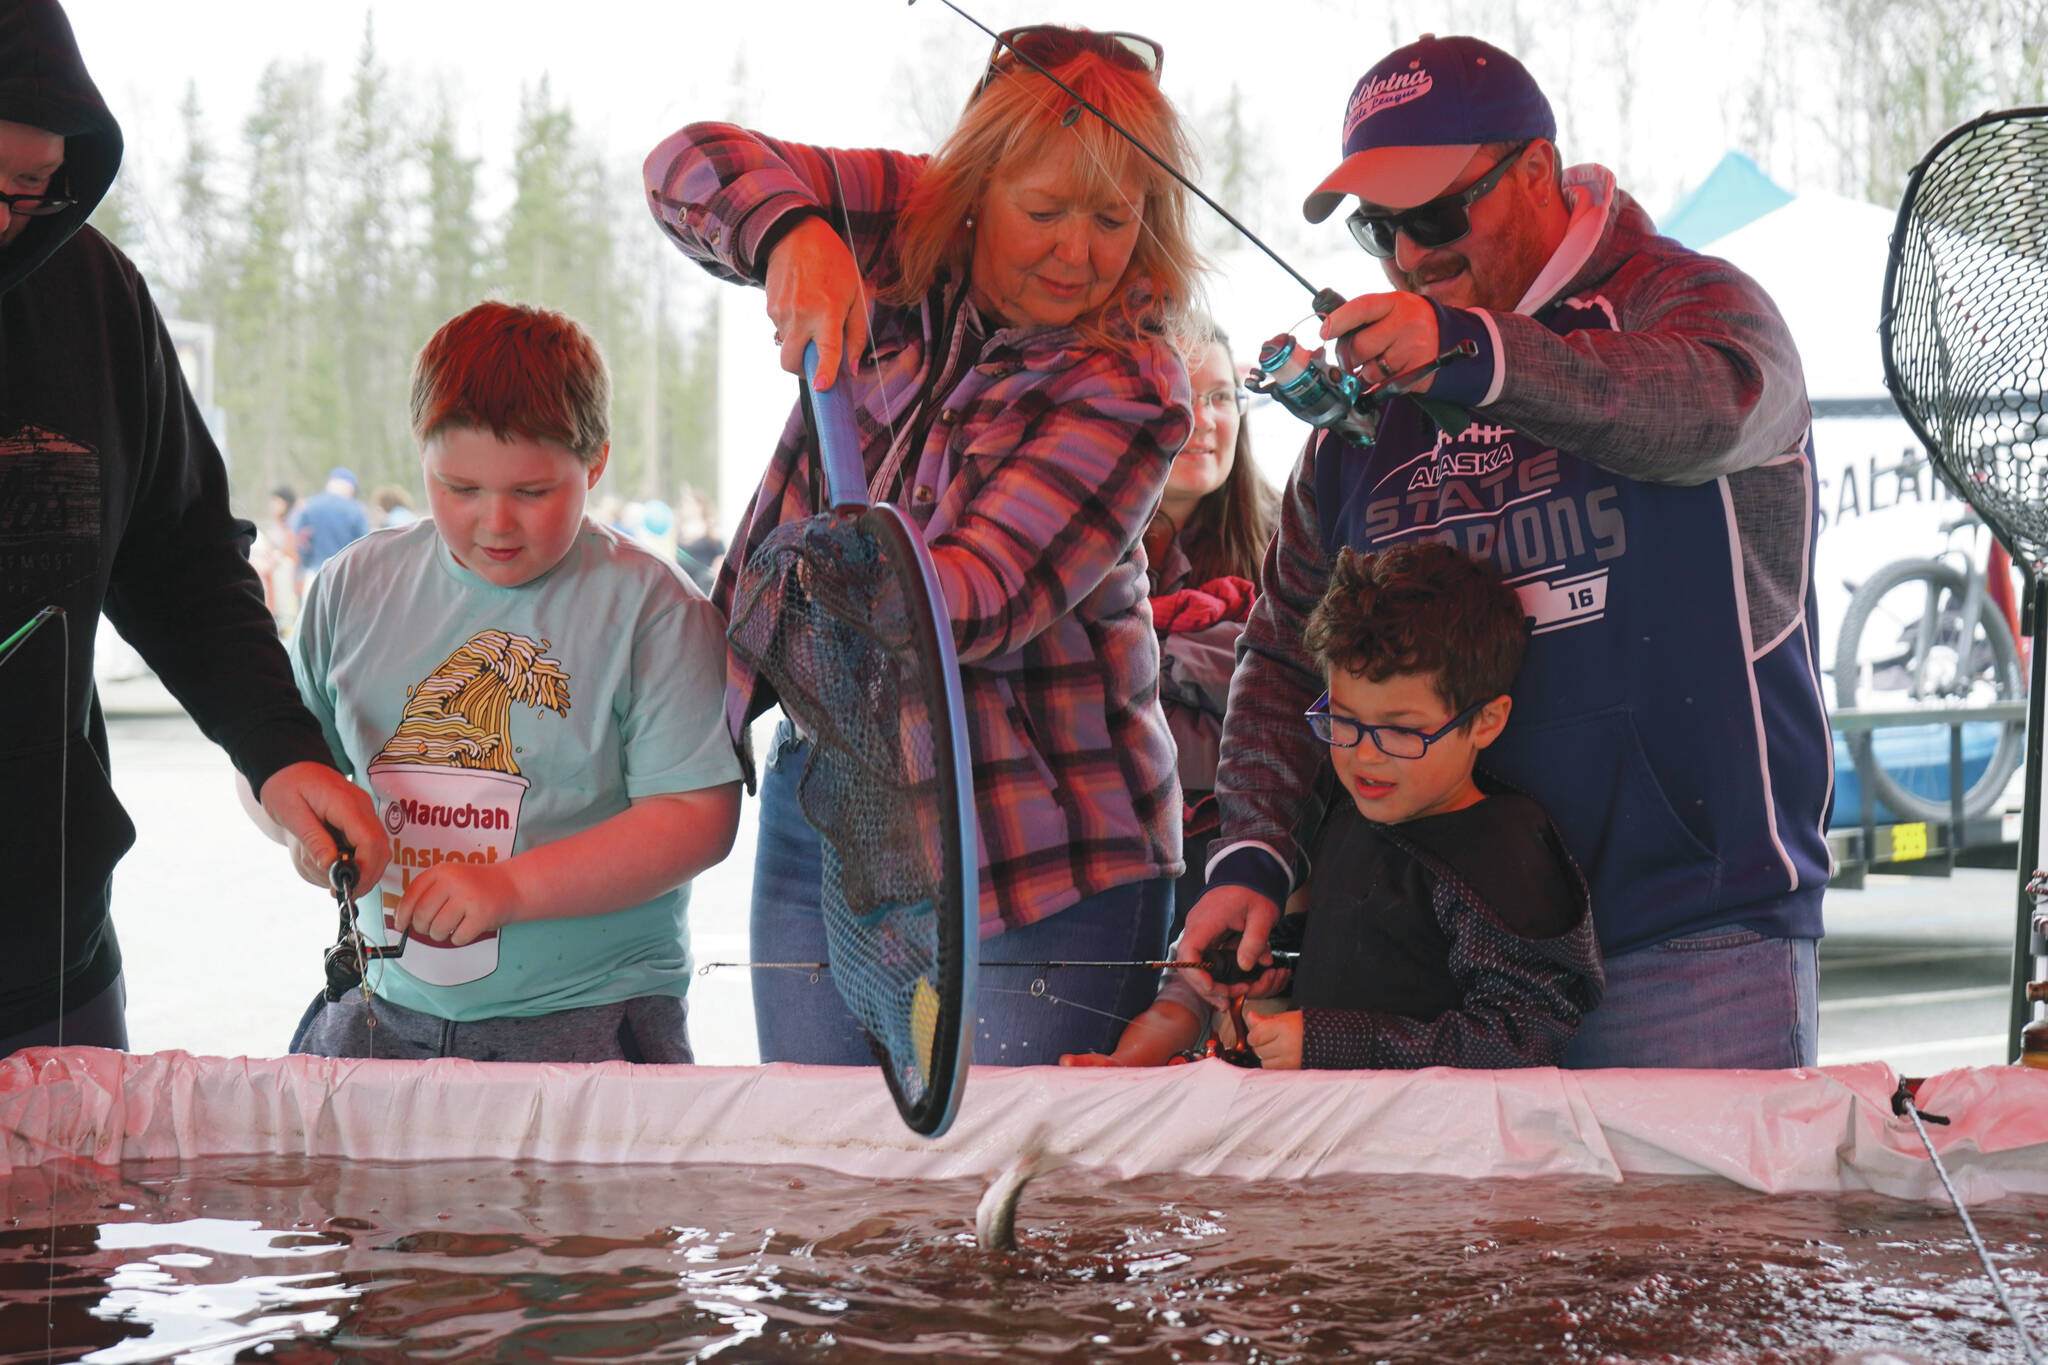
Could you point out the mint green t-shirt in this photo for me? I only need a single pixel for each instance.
(487, 720)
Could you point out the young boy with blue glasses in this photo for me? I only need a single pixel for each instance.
(1446, 923)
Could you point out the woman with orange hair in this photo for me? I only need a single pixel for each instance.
(1005, 313)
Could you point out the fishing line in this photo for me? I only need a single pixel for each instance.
(1327, 301)
(1040, 991)
(1323, 394)
(1220, 969)
(1220, 962)
(1101, 166)
(8, 648)
(1902, 1103)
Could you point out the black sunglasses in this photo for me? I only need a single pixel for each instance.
(55, 199)
(1051, 45)
(1439, 222)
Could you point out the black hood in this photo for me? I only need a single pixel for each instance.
(43, 84)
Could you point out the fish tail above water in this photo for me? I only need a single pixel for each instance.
(995, 1218)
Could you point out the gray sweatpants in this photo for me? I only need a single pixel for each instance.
(653, 1028)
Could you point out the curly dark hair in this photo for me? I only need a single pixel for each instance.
(1422, 607)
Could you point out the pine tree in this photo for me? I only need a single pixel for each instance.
(268, 380)
(366, 283)
(1232, 167)
(198, 280)
(540, 237)
(453, 251)
(120, 217)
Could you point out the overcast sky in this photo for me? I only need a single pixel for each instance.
(864, 72)
(1630, 82)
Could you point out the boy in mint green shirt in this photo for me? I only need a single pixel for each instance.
(534, 703)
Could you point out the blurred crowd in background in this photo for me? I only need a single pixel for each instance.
(295, 535)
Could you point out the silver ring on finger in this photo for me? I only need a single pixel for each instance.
(1386, 369)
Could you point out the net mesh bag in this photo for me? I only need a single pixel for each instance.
(833, 612)
(1965, 320)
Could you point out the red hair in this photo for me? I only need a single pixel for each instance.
(514, 371)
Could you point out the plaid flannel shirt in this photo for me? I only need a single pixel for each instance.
(1032, 459)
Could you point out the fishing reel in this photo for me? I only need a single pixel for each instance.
(1313, 389)
(1324, 395)
(344, 958)
(1219, 960)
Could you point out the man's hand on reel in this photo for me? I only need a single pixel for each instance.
(1381, 335)
(1222, 911)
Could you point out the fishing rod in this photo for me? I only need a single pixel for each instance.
(22, 632)
(1327, 301)
(1221, 966)
(1299, 379)
(1219, 962)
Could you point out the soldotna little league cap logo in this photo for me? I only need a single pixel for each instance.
(1415, 119)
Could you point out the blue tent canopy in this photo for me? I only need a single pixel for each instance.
(1735, 192)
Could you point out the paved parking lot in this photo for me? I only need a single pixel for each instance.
(1917, 971)
(223, 942)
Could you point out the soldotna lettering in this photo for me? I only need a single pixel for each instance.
(1385, 93)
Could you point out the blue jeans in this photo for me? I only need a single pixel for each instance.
(1023, 1015)
(1723, 998)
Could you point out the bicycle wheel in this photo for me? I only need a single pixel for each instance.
(1903, 644)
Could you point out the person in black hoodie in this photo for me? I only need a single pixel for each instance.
(112, 498)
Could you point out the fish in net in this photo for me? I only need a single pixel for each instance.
(841, 613)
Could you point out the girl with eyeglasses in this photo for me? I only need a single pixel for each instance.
(1203, 550)
(1005, 311)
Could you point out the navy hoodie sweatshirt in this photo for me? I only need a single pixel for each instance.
(113, 499)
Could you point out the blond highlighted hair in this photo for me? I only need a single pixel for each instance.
(1021, 120)
(514, 371)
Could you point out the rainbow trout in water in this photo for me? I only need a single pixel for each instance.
(995, 1218)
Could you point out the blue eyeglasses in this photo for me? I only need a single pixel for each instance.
(1395, 741)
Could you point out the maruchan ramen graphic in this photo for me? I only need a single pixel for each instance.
(448, 786)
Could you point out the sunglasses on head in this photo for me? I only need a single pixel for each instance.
(1439, 222)
(1052, 45)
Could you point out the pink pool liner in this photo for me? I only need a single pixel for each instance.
(1806, 1131)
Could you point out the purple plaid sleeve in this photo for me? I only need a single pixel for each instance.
(718, 190)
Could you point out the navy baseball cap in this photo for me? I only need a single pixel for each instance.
(1417, 117)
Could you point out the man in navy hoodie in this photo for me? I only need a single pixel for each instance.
(1630, 444)
(112, 498)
